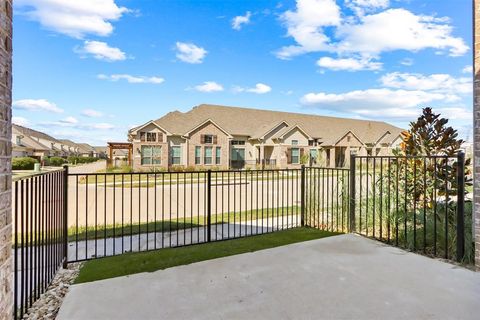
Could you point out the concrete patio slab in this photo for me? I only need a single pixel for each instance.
(342, 277)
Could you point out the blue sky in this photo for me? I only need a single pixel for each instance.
(89, 70)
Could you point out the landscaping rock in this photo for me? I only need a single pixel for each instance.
(47, 306)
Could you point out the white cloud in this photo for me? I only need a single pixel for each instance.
(92, 113)
(190, 53)
(238, 21)
(102, 51)
(21, 121)
(73, 123)
(349, 64)
(131, 79)
(378, 103)
(468, 69)
(367, 35)
(435, 82)
(260, 88)
(209, 86)
(360, 7)
(36, 105)
(72, 17)
(69, 120)
(305, 26)
(398, 29)
(407, 62)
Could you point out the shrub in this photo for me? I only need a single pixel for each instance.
(81, 160)
(55, 161)
(23, 163)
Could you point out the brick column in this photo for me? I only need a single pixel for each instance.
(476, 128)
(6, 295)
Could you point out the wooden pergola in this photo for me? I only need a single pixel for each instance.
(120, 146)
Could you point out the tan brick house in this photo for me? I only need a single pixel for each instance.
(230, 137)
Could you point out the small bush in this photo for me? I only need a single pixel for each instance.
(55, 161)
(23, 163)
(81, 160)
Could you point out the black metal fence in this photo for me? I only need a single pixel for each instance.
(39, 235)
(417, 203)
(327, 198)
(114, 213)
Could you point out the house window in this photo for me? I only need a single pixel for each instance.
(198, 151)
(238, 142)
(349, 138)
(208, 155)
(294, 142)
(208, 138)
(311, 143)
(176, 154)
(151, 155)
(142, 136)
(218, 152)
(295, 156)
(151, 137)
(19, 141)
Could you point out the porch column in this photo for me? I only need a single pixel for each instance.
(332, 158)
(476, 128)
(6, 265)
(262, 155)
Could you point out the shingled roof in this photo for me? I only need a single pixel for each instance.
(255, 122)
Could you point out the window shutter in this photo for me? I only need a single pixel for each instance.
(202, 138)
(289, 155)
(214, 139)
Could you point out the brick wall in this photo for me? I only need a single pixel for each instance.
(476, 128)
(6, 296)
(222, 142)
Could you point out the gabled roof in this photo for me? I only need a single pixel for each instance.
(32, 133)
(282, 133)
(202, 124)
(248, 122)
(344, 135)
(131, 131)
(33, 144)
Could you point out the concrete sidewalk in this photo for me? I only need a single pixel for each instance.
(342, 277)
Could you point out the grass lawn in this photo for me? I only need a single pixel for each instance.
(131, 263)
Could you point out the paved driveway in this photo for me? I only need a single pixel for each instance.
(342, 277)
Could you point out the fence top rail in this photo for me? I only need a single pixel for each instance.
(407, 157)
(180, 172)
(33, 175)
(327, 168)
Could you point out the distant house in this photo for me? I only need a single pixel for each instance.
(33, 143)
(27, 142)
(231, 137)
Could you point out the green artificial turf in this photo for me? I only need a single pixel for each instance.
(131, 263)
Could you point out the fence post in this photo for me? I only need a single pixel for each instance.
(302, 196)
(352, 193)
(460, 206)
(65, 216)
(209, 205)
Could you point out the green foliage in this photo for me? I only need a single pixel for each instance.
(305, 159)
(55, 161)
(430, 135)
(81, 160)
(23, 163)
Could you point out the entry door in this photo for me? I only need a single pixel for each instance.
(237, 158)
